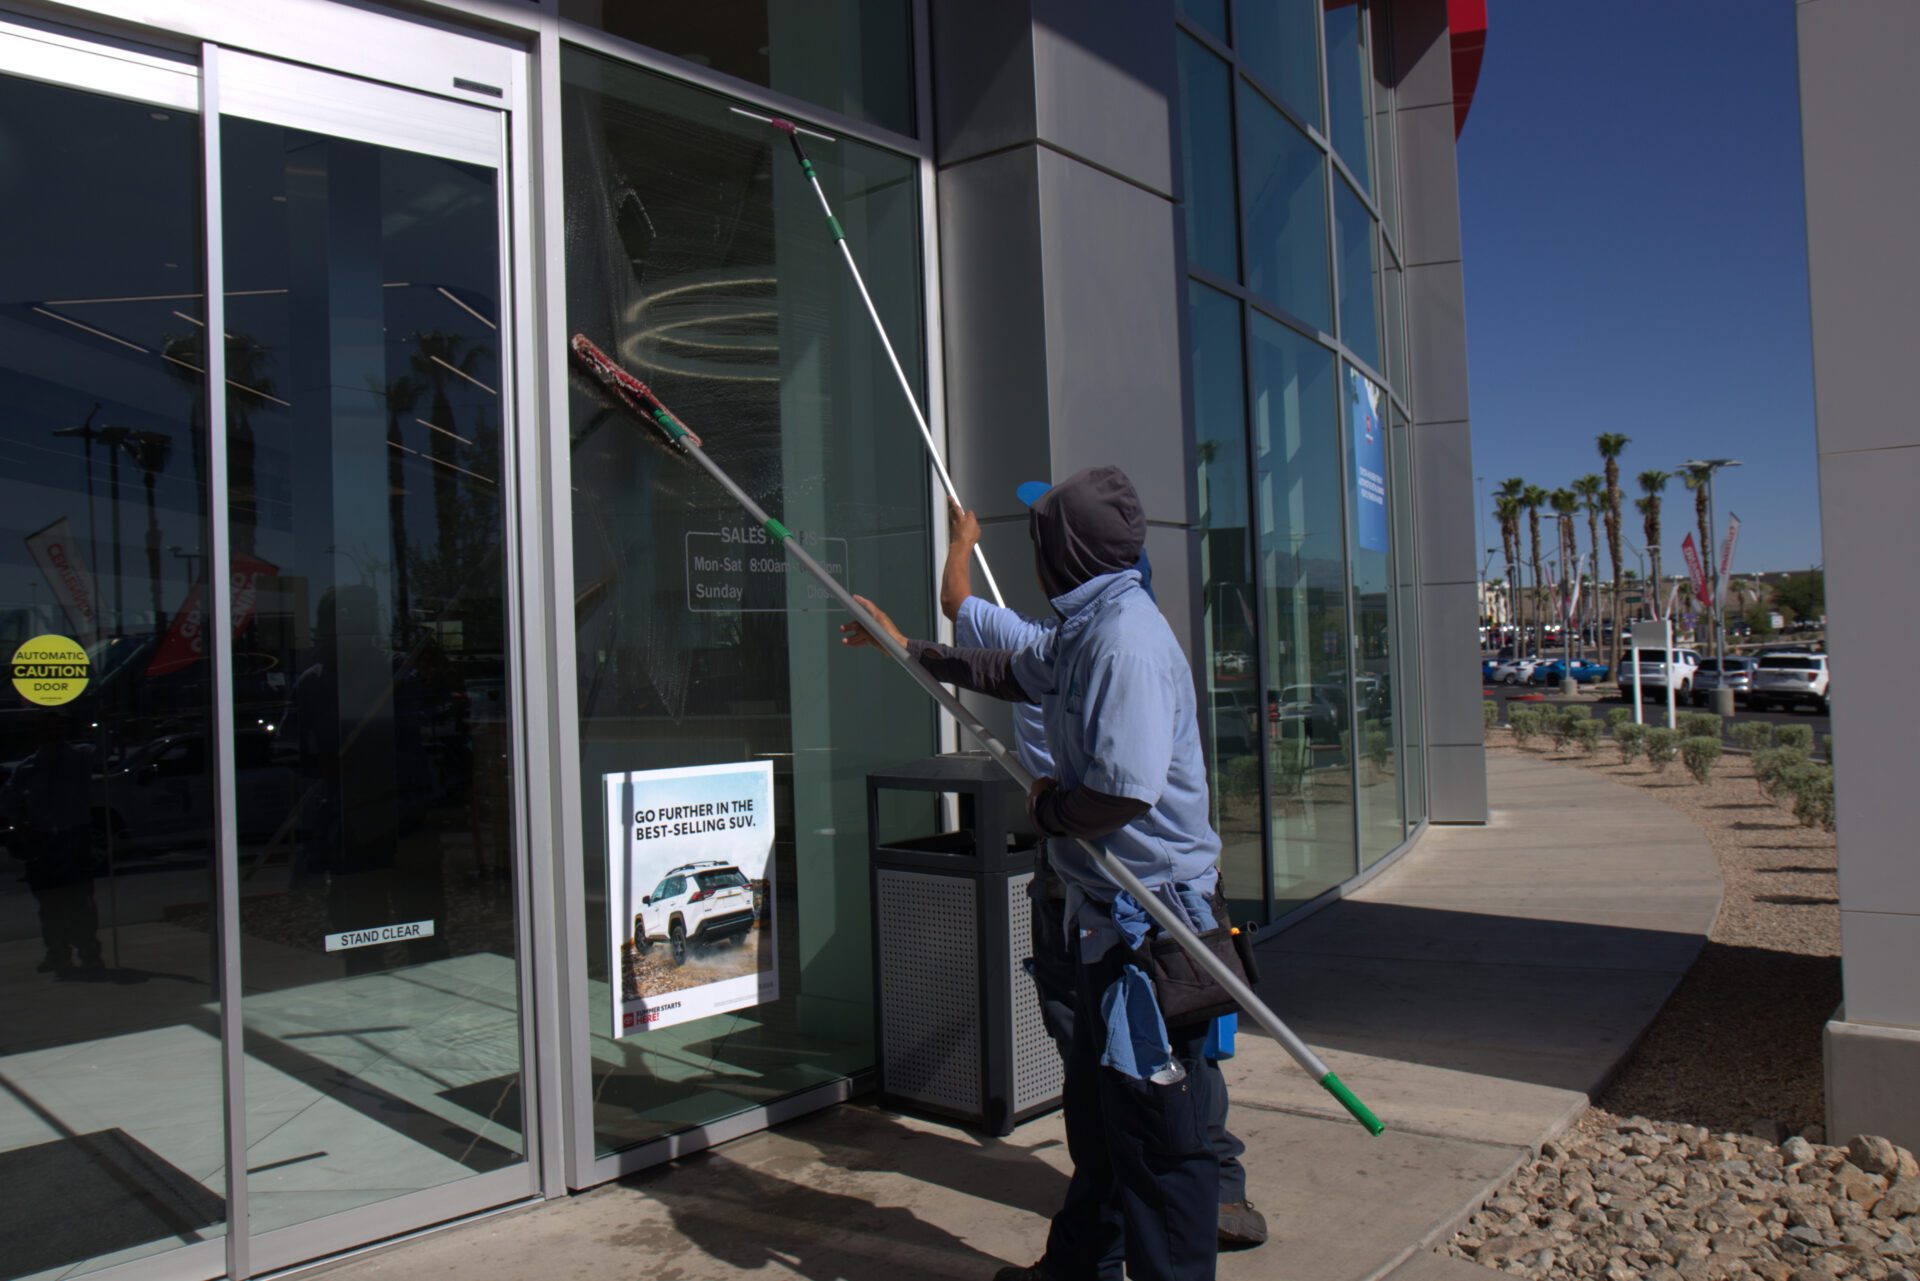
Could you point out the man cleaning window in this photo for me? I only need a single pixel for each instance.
(1120, 724)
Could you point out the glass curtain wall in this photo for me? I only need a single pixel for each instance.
(697, 256)
(1329, 544)
(111, 1096)
(849, 56)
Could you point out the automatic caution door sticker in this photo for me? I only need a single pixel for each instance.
(50, 670)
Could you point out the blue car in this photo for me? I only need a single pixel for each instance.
(1554, 671)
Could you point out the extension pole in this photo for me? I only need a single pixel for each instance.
(637, 397)
(792, 131)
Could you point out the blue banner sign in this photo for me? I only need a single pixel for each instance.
(1369, 462)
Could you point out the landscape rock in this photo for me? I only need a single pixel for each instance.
(1874, 1154)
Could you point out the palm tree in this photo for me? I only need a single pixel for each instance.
(1698, 479)
(151, 451)
(1611, 445)
(1507, 511)
(1566, 505)
(1533, 498)
(1592, 491)
(1510, 492)
(1653, 483)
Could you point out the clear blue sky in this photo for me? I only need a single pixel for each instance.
(1635, 248)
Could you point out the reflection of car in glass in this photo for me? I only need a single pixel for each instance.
(1235, 724)
(1309, 706)
(695, 904)
(160, 795)
(1232, 660)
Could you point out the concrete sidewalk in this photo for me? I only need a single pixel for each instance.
(1475, 995)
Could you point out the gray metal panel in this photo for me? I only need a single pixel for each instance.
(1038, 1074)
(1112, 293)
(1879, 951)
(1457, 784)
(1175, 553)
(1443, 482)
(1430, 185)
(1866, 509)
(1437, 342)
(1870, 1076)
(1422, 55)
(996, 331)
(1450, 658)
(1104, 84)
(982, 78)
(929, 989)
(1858, 121)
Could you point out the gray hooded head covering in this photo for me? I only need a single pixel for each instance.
(1087, 525)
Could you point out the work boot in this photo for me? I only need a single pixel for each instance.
(1241, 1226)
(1035, 1273)
(51, 963)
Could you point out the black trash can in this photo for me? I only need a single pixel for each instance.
(957, 1018)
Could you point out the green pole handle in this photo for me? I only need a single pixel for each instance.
(1351, 1102)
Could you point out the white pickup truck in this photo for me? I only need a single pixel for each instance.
(1657, 668)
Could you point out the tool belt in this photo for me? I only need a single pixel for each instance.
(1188, 996)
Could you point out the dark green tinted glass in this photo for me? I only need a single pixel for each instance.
(1283, 201)
(1211, 14)
(1349, 88)
(1277, 43)
(1357, 261)
(1206, 144)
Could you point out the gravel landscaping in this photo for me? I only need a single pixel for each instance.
(1731, 1176)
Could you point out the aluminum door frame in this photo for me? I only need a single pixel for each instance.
(246, 85)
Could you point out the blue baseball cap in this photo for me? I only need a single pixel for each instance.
(1029, 491)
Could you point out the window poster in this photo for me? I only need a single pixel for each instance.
(690, 892)
(1369, 461)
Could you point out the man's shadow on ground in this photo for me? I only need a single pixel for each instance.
(829, 1228)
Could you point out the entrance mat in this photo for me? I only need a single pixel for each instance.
(73, 1199)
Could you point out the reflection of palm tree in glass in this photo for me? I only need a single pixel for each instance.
(437, 357)
(247, 385)
(400, 395)
(151, 451)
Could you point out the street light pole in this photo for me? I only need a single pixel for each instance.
(1723, 693)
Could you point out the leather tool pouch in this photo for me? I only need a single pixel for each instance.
(1187, 994)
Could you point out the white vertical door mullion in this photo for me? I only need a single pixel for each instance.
(220, 651)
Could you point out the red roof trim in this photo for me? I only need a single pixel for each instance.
(1467, 25)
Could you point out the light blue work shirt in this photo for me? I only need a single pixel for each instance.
(981, 624)
(1117, 700)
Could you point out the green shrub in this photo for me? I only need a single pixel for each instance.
(1700, 725)
(1776, 768)
(1524, 722)
(1699, 753)
(1826, 741)
(1663, 745)
(1813, 797)
(1800, 736)
(1586, 732)
(1753, 736)
(1619, 716)
(1380, 748)
(1241, 777)
(1291, 759)
(1631, 739)
(1489, 714)
(1559, 728)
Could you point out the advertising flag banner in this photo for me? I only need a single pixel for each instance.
(1696, 569)
(690, 893)
(1727, 545)
(1369, 462)
(65, 569)
(1673, 595)
(186, 640)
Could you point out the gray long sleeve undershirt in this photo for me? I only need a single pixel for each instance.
(1079, 811)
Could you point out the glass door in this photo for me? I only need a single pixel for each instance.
(366, 403)
(111, 1098)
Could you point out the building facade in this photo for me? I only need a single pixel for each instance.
(1855, 131)
(339, 876)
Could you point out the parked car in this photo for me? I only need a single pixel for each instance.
(695, 904)
(1553, 671)
(1514, 671)
(1792, 680)
(1323, 716)
(1655, 666)
(1735, 674)
(160, 795)
(1487, 666)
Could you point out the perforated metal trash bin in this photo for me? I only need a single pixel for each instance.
(957, 1017)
